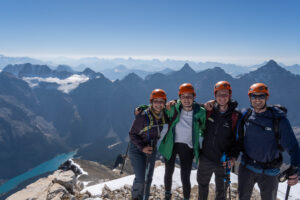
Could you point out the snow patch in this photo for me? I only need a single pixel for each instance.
(158, 180)
(78, 166)
(65, 85)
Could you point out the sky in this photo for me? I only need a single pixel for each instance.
(231, 31)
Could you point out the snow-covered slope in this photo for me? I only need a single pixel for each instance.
(64, 85)
(158, 179)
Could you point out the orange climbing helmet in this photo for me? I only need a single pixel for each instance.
(222, 85)
(186, 88)
(158, 93)
(258, 87)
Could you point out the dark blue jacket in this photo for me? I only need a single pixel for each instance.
(260, 144)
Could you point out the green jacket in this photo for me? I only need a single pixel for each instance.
(199, 119)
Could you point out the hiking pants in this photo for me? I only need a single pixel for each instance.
(205, 170)
(138, 162)
(268, 185)
(186, 155)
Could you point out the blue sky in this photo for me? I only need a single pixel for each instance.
(232, 31)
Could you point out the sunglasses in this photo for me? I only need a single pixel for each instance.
(258, 96)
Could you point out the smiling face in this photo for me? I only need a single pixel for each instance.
(187, 100)
(258, 100)
(222, 97)
(158, 104)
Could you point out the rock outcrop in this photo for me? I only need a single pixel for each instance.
(60, 185)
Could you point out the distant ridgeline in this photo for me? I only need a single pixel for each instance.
(39, 120)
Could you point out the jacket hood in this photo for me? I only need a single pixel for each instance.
(272, 110)
(278, 110)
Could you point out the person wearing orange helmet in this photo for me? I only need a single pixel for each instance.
(183, 138)
(264, 132)
(144, 134)
(219, 140)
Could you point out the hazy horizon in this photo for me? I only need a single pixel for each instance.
(57, 59)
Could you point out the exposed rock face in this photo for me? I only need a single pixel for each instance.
(68, 165)
(96, 173)
(59, 185)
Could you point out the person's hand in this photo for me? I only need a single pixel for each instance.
(293, 180)
(137, 111)
(147, 150)
(229, 163)
(169, 104)
(209, 105)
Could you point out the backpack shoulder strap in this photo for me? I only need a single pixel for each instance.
(234, 118)
(276, 121)
(208, 113)
(245, 115)
(150, 122)
(282, 108)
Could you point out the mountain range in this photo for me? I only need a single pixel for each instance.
(39, 121)
(118, 68)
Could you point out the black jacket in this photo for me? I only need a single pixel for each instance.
(219, 136)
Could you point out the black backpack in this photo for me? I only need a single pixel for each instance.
(276, 121)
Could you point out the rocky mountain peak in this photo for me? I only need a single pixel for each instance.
(271, 67)
(28, 70)
(88, 71)
(272, 63)
(187, 69)
(132, 77)
(215, 70)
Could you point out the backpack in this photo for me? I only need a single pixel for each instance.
(276, 121)
(150, 123)
(234, 117)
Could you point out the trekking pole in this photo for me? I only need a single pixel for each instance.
(148, 163)
(287, 192)
(121, 172)
(283, 176)
(227, 181)
(229, 191)
(229, 170)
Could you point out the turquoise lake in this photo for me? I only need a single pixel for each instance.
(48, 166)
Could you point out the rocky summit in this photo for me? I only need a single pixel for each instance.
(71, 181)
